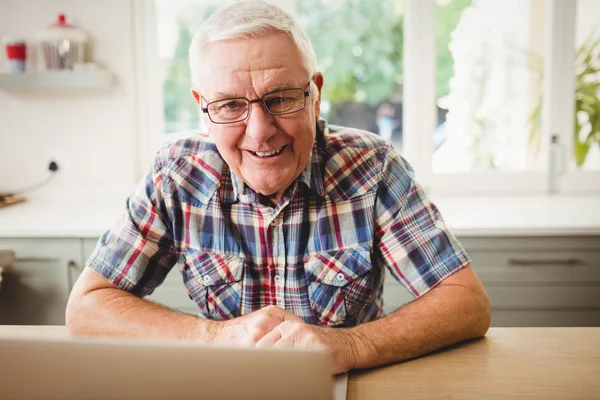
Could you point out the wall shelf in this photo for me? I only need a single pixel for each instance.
(49, 80)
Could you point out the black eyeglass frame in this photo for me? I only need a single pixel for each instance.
(204, 108)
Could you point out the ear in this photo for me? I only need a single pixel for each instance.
(318, 80)
(196, 96)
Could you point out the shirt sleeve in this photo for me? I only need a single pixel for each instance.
(414, 242)
(138, 252)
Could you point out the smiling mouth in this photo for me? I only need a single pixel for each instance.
(267, 154)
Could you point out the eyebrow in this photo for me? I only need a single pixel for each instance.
(280, 86)
(226, 95)
(231, 95)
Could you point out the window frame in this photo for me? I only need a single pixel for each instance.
(419, 59)
(559, 88)
(149, 92)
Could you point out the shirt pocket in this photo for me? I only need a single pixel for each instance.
(214, 282)
(339, 285)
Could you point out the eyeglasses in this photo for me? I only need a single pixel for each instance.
(279, 102)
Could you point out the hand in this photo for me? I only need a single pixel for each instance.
(249, 329)
(297, 334)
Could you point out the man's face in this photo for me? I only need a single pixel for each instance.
(252, 68)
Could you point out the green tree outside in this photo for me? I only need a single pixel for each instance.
(359, 48)
(179, 108)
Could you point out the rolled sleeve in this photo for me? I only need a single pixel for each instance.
(415, 244)
(138, 252)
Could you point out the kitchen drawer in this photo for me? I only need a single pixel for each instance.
(42, 249)
(74, 270)
(531, 243)
(35, 291)
(537, 266)
(565, 318)
(88, 246)
(549, 297)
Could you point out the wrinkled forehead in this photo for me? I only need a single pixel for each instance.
(250, 66)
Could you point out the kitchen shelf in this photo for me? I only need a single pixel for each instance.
(68, 79)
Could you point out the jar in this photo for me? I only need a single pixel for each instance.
(63, 45)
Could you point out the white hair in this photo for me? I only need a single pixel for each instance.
(249, 19)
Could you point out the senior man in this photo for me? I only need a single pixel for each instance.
(281, 226)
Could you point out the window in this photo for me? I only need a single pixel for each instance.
(358, 45)
(470, 91)
(488, 83)
(585, 154)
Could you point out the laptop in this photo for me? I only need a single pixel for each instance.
(100, 368)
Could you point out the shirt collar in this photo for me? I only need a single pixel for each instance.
(239, 186)
(315, 164)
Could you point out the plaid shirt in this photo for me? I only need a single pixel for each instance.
(320, 253)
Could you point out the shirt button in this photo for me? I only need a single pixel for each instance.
(340, 277)
(207, 279)
(277, 222)
(277, 278)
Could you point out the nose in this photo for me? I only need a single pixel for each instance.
(259, 124)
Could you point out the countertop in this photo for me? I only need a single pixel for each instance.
(90, 211)
(508, 363)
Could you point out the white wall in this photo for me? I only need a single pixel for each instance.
(93, 134)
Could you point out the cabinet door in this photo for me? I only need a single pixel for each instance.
(539, 281)
(546, 318)
(35, 291)
(87, 247)
(172, 293)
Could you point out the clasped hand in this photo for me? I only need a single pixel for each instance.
(277, 328)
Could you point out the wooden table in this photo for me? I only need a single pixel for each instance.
(539, 363)
(542, 363)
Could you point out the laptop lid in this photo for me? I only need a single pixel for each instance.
(63, 368)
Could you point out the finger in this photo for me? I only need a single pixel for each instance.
(247, 342)
(270, 338)
(282, 314)
(288, 316)
(284, 343)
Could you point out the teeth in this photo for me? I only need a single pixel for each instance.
(267, 153)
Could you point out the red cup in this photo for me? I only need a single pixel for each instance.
(16, 53)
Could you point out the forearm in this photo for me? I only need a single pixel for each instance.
(444, 316)
(113, 312)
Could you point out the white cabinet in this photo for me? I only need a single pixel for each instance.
(531, 281)
(540, 281)
(35, 291)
